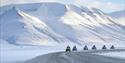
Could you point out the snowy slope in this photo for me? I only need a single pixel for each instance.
(119, 16)
(24, 28)
(55, 23)
(73, 57)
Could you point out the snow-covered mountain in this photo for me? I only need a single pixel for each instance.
(119, 16)
(55, 24)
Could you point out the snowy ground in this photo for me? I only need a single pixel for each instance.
(23, 53)
(114, 54)
(74, 57)
(15, 54)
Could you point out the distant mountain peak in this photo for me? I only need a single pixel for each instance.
(117, 14)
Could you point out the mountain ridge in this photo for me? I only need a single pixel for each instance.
(55, 23)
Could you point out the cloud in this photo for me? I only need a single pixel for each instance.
(105, 6)
(113, 5)
(6, 2)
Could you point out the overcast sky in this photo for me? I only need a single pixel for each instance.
(104, 5)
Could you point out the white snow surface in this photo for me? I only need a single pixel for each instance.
(74, 57)
(10, 53)
(54, 24)
(30, 30)
(118, 16)
(114, 54)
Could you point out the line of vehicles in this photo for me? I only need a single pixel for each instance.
(68, 48)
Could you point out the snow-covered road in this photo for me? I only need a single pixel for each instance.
(74, 57)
